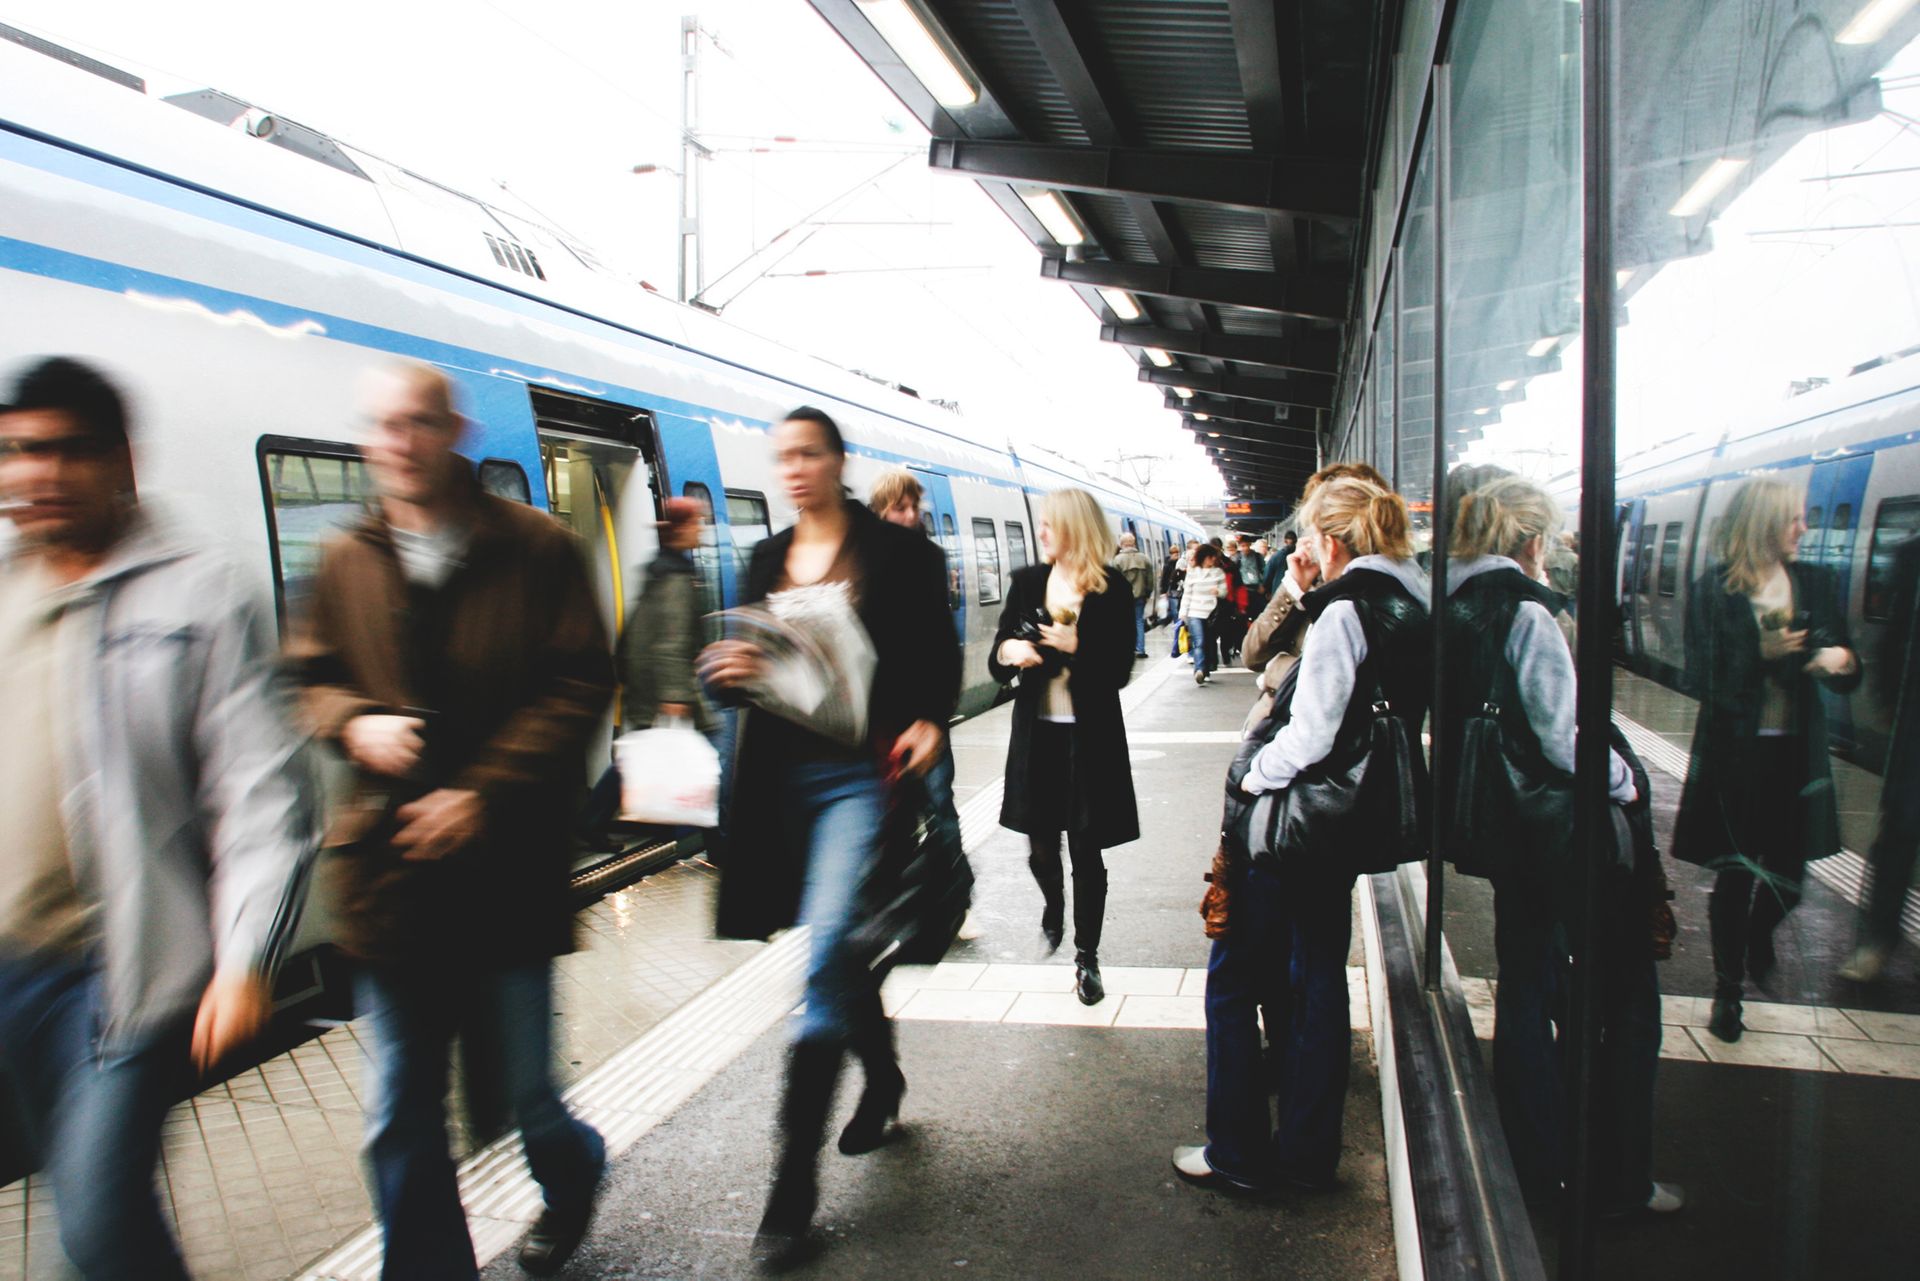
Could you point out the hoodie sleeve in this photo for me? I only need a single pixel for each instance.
(1543, 669)
(1329, 665)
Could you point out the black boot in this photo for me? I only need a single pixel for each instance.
(874, 1119)
(1086, 978)
(1725, 1021)
(1043, 860)
(1089, 909)
(812, 1071)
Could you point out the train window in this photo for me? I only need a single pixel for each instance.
(505, 479)
(956, 572)
(706, 556)
(986, 559)
(1670, 560)
(747, 520)
(1840, 539)
(311, 490)
(1649, 535)
(1815, 531)
(1897, 521)
(1016, 545)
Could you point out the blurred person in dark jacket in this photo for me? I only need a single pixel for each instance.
(662, 638)
(157, 810)
(455, 655)
(1138, 571)
(1898, 841)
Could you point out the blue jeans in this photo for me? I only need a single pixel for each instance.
(1197, 644)
(1287, 952)
(411, 1018)
(94, 1113)
(1140, 627)
(1527, 1059)
(944, 818)
(833, 810)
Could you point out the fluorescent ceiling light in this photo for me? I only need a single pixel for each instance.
(1184, 393)
(1507, 385)
(1622, 276)
(1483, 410)
(1203, 418)
(1160, 358)
(1213, 435)
(1707, 186)
(1122, 303)
(1055, 217)
(1873, 21)
(1544, 347)
(902, 28)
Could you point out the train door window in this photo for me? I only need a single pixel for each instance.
(1649, 536)
(505, 479)
(1670, 559)
(747, 519)
(1897, 521)
(1815, 533)
(311, 489)
(706, 554)
(986, 560)
(1840, 537)
(1016, 545)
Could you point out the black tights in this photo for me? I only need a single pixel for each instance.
(1089, 884)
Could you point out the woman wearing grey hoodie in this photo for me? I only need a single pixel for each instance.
(1288, 923)
(1505, 648)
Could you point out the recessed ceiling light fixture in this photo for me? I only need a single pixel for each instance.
(1055, 216)
(1707, 186)
(903, 29)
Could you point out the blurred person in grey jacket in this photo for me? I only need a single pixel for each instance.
(1138, 571)
(662, 638)
(157, 809)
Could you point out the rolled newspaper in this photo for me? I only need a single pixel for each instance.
(816, 660)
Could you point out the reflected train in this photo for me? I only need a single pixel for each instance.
(1853, 446)
(236, 272)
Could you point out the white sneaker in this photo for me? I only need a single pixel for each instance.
(1667, 1198)
(1866, 965)
(1192, 1161)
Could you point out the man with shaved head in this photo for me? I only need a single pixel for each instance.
(454, 655)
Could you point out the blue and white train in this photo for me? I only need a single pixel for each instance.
(1854, 447)
(237, 273)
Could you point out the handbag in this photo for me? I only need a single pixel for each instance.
(1355, 812)
(921, 889)
(1512, 810)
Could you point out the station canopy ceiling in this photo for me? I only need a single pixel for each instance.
(1191, 168)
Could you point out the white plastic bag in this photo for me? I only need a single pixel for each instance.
(669, 776)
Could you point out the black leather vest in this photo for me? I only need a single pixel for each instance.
(1399, 645)
(1479, 618)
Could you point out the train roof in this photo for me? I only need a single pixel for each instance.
(221, 145)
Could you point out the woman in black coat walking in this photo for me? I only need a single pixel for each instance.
(1066, 634)
(803, 833)
(1764, 633)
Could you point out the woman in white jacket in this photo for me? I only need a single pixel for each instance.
(1206, 584)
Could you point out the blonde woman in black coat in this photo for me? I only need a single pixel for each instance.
(1066, 635)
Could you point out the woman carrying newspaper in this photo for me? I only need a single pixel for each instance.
(849, 677)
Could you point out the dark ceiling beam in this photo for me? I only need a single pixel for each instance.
(1315, 353)
(1299, 186)
(1308, 298)
(1256, 453)
(985, 118)
(1305, 447)
(1254, 475)
(1069, 52)
(1267, 44)
(1258, 412)
(1309, 391)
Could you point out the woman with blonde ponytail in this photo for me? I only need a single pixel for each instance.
(1066, 636)
(1283, 944)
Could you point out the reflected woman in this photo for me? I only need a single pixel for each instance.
(1066, 632)
(1764, 634)
(804, 829)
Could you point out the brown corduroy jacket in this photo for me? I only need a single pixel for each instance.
(508, 663)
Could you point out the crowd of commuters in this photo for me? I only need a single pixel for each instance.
(163, 801)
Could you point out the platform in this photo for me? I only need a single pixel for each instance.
(1038, 1130)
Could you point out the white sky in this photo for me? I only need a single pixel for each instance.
(1814, 268)
(560, 99)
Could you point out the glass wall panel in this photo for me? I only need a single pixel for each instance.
(1383, 398)
(1415, 463)
(1766, 170)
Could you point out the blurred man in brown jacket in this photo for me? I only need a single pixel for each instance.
(455, 655)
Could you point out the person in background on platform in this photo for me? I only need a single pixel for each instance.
(897, 498)
(661, 641)
(1764, 635)
(1289, 924)
(1277, 563)
(140, 931)
(454, 654)
(1173, 579)
(1205, 586)
(1138, 571)
(804, 836)
(1064, 632)
(1895, 846)
(1501, 636)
